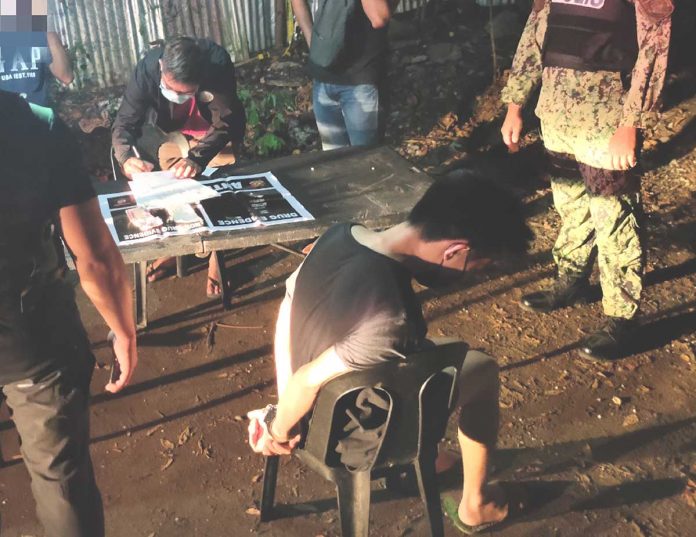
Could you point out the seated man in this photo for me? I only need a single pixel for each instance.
(350, 306)
(180, 111)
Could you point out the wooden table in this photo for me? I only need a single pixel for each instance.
(375, 187)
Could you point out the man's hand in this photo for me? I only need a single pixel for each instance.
(127, 356)
(185, 169)
(261, 441)
(136, 165)
(622, 148)
(512, 127)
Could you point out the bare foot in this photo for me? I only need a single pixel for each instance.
(161, 268)
(491, 507)
(213, 287)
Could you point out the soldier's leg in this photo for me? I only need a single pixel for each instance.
(52, 417)
(573, 248)
(572, 251)
(620, 252)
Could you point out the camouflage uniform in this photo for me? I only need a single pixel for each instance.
(579, 113)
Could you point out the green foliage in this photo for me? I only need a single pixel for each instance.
(268, 144)
(266, 119)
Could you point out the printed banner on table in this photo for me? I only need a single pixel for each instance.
(249, 201)
(243, 202)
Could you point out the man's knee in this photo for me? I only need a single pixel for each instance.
(479, 369)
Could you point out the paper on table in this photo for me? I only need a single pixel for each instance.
(162, 189)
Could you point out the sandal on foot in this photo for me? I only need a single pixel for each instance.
(155, 273)
(217, 283)
(450, 508)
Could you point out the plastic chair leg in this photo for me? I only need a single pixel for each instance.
(353, 491)
(427, 484)
(270, 476)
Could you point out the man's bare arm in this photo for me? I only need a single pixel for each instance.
(302, 389)
(60, 66)
(103, 278)
(379, 11)
(281, 346)
(304, 18)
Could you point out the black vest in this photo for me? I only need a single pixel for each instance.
(591, 35)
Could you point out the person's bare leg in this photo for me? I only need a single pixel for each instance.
(481, 502)
(214, 283)
(160, 268)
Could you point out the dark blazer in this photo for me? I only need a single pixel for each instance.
(217, 102)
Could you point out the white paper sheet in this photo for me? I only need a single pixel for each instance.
(162, 189)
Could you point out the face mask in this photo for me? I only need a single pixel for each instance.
(431, 275)
(173, 96)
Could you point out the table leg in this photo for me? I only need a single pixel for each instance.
(140, 286)
(181, 266)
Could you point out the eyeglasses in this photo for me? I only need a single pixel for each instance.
(165, 86)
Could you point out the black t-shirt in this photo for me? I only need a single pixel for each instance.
(362, 61)
(24, 65)
(359, 301)
(40, 173)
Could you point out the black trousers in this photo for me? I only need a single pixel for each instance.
(51, 414)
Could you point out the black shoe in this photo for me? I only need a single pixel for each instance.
(610, 341)
(568, 289)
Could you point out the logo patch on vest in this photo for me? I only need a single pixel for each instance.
(592, 4)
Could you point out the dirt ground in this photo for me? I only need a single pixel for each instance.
(605, 449)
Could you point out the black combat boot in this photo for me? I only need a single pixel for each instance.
(568, 289)
(610, 341)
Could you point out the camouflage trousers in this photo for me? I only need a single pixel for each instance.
(609, 224)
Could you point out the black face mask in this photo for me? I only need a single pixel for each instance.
(432, 275)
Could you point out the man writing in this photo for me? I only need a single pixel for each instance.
(180, 111)
(351, 306)
(45, 358)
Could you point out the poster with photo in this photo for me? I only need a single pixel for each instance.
(251, 201)
(130, 223)
(243, 202)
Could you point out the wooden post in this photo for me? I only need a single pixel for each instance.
(280, 23)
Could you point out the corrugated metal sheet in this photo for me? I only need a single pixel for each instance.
(107, 37)
(408, 5)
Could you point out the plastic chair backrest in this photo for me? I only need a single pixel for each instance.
(422, 389)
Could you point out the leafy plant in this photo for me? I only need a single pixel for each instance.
(266, 119)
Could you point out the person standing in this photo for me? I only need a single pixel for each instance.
(45, 359)
(347, 49)
(601, 65)
(31, 56)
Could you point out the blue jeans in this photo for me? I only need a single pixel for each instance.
(346, 115)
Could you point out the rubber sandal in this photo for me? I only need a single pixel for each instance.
(160, 272)
(450, 508)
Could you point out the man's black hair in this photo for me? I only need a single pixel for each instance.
(183, 60)
(474, 208)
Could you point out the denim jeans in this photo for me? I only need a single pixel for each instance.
(346, 115)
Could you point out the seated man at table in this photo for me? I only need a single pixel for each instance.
(350, 306)
(181, 112)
